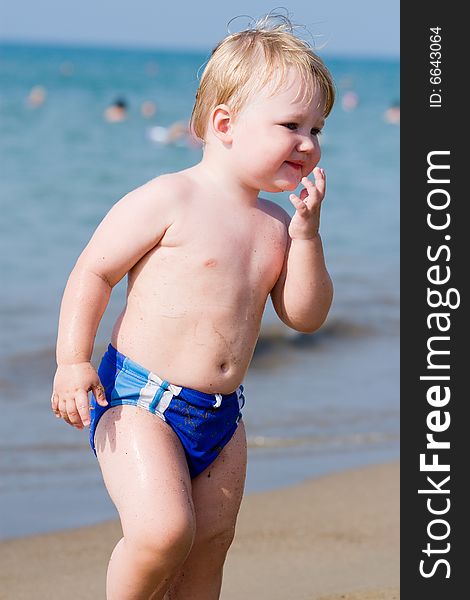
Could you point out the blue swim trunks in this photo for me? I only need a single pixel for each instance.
(204, 423)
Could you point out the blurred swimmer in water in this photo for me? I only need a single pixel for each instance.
(349, 101)
(36, 96)
(148, 109)
(117, 111)
(392, 114)
(178, 133)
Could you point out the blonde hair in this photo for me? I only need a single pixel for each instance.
(244, 62)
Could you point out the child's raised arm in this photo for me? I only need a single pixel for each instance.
(303, 293)
(131, 228)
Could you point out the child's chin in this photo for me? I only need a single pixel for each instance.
(280, 185)
(286, 186)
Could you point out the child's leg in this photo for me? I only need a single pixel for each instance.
(146, 474)
(217, 494)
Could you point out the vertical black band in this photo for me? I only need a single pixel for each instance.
(434, 301)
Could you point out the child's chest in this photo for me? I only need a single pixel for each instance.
(251, 246)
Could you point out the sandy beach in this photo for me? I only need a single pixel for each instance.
(331, 538)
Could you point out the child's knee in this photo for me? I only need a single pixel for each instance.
(215, 543)
(162, 542)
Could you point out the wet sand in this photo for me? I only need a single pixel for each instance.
(331, 538)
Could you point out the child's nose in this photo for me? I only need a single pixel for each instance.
(307, 143)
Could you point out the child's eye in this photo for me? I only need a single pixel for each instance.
(294, 127)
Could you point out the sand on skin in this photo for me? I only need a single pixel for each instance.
(331, 538)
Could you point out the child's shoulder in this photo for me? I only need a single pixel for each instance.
(164, 187)
(163, 193)
(273, 210)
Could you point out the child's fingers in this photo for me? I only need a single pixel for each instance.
(63, 409)
(299, 204)
(83, 408)
(315, 191)
(72, 410)
(312, 190)
(99, 393)
(320, 181)
(55, 404)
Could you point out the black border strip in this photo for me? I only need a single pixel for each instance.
(433, 131)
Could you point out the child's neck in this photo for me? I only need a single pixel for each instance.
(216, 171)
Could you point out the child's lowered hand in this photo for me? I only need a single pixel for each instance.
(69, 401)
(306, 220)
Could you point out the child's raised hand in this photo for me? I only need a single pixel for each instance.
(306, 220)
(69, 401)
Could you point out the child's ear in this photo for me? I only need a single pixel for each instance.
(221, 123)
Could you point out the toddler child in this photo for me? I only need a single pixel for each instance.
(202, 252)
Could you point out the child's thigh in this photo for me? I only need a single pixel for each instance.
(218, 490)
(144, 467)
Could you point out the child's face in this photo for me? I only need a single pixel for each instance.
(275, 138)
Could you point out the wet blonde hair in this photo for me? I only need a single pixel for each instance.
(244, 62)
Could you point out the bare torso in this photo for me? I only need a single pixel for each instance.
(195, 301)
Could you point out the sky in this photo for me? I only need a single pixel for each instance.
(339, 27)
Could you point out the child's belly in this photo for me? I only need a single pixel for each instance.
(197, 331)
(199, 352)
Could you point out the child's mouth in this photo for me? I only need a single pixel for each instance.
(294, 165)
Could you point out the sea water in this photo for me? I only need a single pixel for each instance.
(315, 403)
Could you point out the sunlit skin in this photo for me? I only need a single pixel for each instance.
(203, 252)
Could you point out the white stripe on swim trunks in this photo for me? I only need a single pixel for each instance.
(166, 398)
(147, 394)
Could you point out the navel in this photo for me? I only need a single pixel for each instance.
(211, 262)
